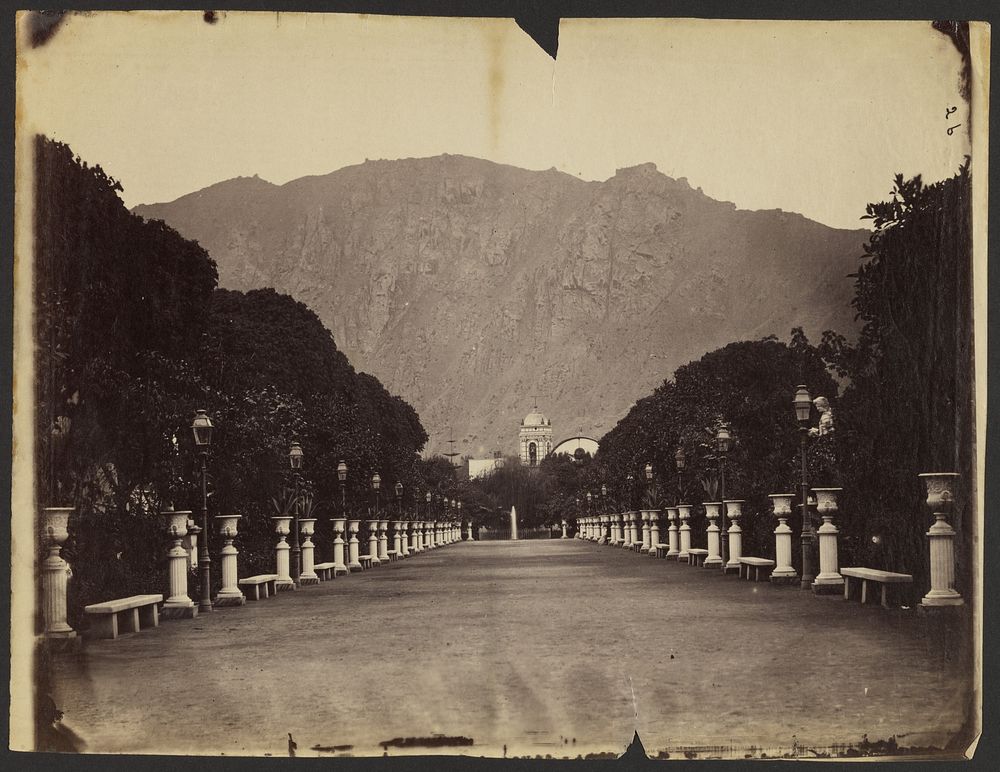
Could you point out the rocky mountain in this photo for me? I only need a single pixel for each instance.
(467, 287)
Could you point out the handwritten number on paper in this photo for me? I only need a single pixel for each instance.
(947, 114)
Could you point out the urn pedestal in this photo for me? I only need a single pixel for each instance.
(828, 581)
(673, 539)
(373, 542)
(230, 594)
(284, 581)
(636, 535)
(353, 550)
(383, 541)
(684, 531)
(941, 536)
(399, 539)
(415, 537)
(307, 527)
(734, 509)
(714, 558)
(783, 572)
(654, 531)
(55, 575)
(339, 566)
(644, 518)
(178, 605)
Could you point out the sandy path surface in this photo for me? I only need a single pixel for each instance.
(547, 647)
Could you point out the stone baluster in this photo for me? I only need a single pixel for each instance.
(55, 573)
(339, 567)
(230, 594)
(940, 499)
(673, 549)
(353, 548)
(734, 508)
(684, 531)
(712, 511)
(783, 572)
(178, 605)
(383, 541)
(373, 542)
(281, 527)
(307, 527)
(828, 581)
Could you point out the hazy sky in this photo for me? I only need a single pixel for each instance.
(814, 117)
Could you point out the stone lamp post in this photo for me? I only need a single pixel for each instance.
(55, 573)
(802, 403)
(685, 533)
(828, 581)
(940, 499)
(281, 550)
(308, 528)
(734, 509)
(783, 572)
(353, 553)
(230, 594)
(178, 605)
(339, 567)
(673, 548)
(714, 558)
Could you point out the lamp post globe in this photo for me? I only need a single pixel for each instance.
(376, 484)
(342, 478)
(202, 427)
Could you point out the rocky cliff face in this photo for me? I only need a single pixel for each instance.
(466, 287)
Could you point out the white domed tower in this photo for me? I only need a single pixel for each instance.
(535, 438)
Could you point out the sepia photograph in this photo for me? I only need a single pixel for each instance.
(397, 386)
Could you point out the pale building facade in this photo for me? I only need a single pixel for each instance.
(534, 438)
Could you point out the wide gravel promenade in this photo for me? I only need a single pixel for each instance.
(545, 647)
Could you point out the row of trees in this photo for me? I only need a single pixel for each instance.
(903, 399)
(133, 335)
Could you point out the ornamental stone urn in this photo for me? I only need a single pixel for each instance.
(230, 594)
(55, 574)
(734, 510)
(178, 605)
(353, 551)
(940, 499)
(281, 557)
(339, 566)
(783, 572)
(714, 558)
(307, 527)
(828, 580)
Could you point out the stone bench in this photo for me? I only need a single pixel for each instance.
(662, 550)
(756, 564)
(696, 557)
(393, 554)
(367, 561)
(125, 615)
(260, 586)
(866, 575)
(324, 571)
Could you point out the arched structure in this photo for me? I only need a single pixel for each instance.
(576, 447)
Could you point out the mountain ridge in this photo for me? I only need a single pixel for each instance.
(467, 286)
